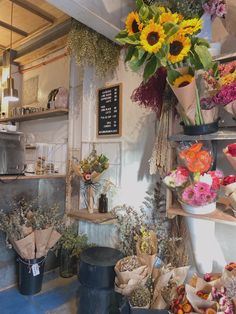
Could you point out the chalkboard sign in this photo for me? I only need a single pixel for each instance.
(109, 111)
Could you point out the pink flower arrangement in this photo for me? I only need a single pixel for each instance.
(199, 194)
(177, 178)
(215, 8)
(221, 87)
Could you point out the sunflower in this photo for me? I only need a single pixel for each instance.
(133, 24)
(179, 47)
(183, 80)
(169, 17)
(191, 26)
(152, 37)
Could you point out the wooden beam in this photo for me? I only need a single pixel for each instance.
(35, 10)
(13, 29)
(44, 51)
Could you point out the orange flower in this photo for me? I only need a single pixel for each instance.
(196, 160)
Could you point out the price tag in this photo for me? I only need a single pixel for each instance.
(35, 269)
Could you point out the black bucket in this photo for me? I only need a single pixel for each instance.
(30, 279)
(201, 129)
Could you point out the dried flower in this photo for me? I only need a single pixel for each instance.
(140, 297)
(129, 263)
(93, 49)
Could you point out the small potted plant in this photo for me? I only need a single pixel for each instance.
(71, 245)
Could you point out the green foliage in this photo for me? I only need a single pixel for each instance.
(93, 49)
(72, 241)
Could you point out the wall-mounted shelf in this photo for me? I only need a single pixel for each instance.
(31, 177)
(96, 217)
(221, 215)
(226, 133)
(36, 115)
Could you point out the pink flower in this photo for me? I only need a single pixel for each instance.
(202, 188)
(188, 195)
(221, 10)
(217, 177)
(87, 176)
(226, 94)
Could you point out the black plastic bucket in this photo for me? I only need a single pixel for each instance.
(201, 129)
(30, 281)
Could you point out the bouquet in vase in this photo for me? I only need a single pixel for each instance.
(157, 37)
(89, 171)
(195, 185)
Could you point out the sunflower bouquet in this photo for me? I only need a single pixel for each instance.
(156, 37)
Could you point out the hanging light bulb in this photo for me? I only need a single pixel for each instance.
(10, 93)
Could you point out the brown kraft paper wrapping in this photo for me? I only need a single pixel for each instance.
(55, 236)
(41, 240)
(25, 247)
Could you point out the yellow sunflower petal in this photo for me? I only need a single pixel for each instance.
(191, 26)
(169, 17)
(133, 24)
(179, 47)
(152, 37)
(183, 80)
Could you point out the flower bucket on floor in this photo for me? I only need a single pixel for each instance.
(30, 275)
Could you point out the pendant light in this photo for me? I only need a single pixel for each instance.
(10, 93)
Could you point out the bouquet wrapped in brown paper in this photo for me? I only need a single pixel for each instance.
(89, 171)
(31, 232)
(230, 154)
(130, 273)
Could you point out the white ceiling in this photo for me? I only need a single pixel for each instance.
(104, 16)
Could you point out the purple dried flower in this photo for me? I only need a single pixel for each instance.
(150, 94)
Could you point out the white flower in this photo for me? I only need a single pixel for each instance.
(206, 178)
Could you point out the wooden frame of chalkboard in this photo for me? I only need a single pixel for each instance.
(109, 111)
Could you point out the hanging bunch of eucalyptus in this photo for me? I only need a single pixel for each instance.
(93, 49)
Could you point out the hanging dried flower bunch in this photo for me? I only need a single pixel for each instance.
(93, 49)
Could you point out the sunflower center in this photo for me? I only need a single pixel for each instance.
(182, 84)
(135, 27)
(176, 47)
(152, 38)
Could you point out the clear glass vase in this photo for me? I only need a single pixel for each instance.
(68, 263)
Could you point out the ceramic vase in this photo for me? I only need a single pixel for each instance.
(199, 210)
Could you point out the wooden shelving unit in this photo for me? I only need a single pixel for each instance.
(223, 214)
(31, 177)
(96, 217)
(36, 115)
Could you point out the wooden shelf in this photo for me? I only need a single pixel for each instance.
(227, 133)
(31, 177)
(36, 115)
(96, 217)
(222, 214)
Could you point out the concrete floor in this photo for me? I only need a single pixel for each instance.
(58, 296)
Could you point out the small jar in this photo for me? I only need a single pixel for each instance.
(103, 204)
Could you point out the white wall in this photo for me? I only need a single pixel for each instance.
(134, 146)
(50, 130)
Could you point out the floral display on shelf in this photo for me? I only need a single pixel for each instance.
(31, 230)
(89, 171)
(157, 37)
(92, 49)
(220, 83)
(196, 187)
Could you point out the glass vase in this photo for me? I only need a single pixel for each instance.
(68, 263)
